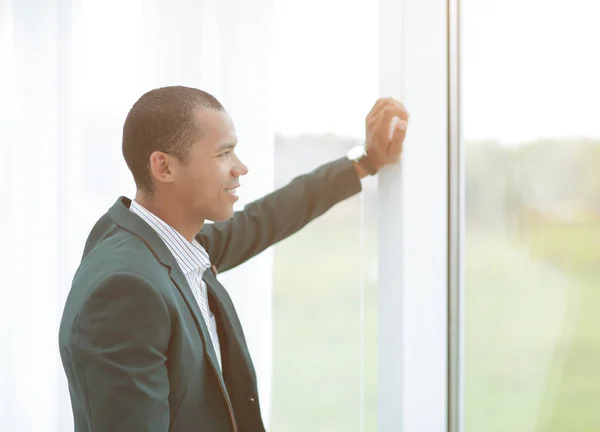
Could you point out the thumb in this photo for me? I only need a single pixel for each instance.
(397, 125)
(397, 135)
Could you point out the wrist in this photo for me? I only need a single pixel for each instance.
(360, 171)
(363, 163)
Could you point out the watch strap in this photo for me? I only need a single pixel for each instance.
(366, 162)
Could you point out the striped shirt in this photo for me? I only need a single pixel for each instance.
(193, 260)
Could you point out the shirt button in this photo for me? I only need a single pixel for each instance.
(251, 399)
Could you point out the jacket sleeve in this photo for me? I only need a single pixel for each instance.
(278, 215)
(118, 352)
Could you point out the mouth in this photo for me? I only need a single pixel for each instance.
(232, 189)
(232, 192)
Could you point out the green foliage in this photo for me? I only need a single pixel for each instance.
(531, 279)
(546, 193)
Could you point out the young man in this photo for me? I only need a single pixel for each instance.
(150, 340)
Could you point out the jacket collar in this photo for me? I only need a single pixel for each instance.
(132, 223)
(191, 257)
(129, 221)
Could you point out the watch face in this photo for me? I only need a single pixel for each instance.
(355, 152)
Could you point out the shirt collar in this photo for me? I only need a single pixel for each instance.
(191, 257)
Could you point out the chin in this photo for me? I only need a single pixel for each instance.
(222, 216)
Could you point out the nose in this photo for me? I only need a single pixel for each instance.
(239, 169)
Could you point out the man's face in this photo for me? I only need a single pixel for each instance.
(208, 181)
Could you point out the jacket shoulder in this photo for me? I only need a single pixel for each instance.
(111, 251)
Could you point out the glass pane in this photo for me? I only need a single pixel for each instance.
(324, 304)
(531, 137)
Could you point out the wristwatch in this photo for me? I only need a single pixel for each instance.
(359, 155)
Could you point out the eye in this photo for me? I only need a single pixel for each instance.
(225, 153)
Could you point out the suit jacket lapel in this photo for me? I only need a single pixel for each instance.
(181, 282)
(230, 326)
(132, 223)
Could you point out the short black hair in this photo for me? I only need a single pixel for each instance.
(163, 120)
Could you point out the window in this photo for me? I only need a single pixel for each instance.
(531, 145)
(324, 286)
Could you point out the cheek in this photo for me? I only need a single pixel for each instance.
(207, 181)
(208, 177)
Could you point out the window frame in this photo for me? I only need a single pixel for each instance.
(416, 253)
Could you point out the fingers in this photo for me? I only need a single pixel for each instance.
(389, 117)
(397, 139)
(394, 109)
(386, 124)
(377, 107)
(393, 126)
(381, 104)
(394, 130)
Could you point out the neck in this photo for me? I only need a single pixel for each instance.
(172, 212)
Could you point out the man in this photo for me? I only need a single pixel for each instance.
(150, 340)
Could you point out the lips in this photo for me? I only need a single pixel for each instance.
(232, 189)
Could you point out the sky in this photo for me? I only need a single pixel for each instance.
(529, 68)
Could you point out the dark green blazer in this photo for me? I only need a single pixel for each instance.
(133, 343)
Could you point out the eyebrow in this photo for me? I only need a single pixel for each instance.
(227, 146)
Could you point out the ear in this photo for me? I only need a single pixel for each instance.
(164, 167)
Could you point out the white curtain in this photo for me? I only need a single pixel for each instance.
(69, 72)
